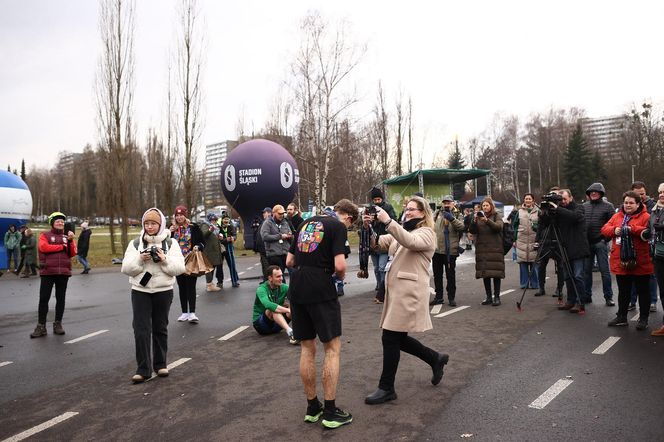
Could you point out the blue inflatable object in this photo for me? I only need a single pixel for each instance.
(15, 207)
(256, 174)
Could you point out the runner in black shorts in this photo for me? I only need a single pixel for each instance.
(318, 253)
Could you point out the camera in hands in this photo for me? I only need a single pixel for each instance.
(551, 197)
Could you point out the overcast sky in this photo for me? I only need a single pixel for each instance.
(460, 61)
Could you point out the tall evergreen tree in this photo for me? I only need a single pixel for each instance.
(23, 169)
(456, 161)
(9, 169)
(578, 164)
(598, 169)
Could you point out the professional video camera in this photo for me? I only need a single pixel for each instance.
(551, 197)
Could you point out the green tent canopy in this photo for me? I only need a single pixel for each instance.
(435, 184)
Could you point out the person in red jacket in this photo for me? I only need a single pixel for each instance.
(630, 257)
(56, 248)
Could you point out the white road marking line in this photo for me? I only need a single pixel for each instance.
(2, 364)
(636, 317)
(449, 312)
(233, 333)
(505, 292)
(547, 277)
(241, 273)
(227, 280)
(41, 427)
(171, 366)
(73, 341)
(436, 309)
(550, 394)
(606, 345)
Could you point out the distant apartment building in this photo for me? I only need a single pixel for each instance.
(66, 160)
(215, 155)
(605, 135)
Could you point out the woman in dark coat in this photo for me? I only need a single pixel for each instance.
(30, 259)
(210, 231)
(190, 238)
(487, 229)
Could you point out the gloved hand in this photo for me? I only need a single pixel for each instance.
(448, 216)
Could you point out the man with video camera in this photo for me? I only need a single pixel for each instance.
(564, 215)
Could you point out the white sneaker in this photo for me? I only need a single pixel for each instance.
(183, 317)
(193, 318)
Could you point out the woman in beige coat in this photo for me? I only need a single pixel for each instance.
(406, 307)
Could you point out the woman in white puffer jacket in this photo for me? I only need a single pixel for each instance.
(152, 262)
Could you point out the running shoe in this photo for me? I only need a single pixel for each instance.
(313, 413)
(336, 419)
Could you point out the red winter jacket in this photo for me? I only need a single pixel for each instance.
(55, 253)
(638, 223)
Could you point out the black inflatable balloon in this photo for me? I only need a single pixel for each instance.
(258, 174)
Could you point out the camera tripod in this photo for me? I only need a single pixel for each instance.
(558, 253)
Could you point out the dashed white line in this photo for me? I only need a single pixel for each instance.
(436, 309)
(505, 292)
(550, 394)
(233, 333)
(73, 341)
(636, 317)
(172, 365)
(606, 345)
(449, 312)
(41, 427)
(241, 273)
(2, 364)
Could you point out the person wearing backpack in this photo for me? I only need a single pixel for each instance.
(487, 229)
(152, 261)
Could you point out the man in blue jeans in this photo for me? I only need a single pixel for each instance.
(570, 219)
(379, 259)
(597, 212)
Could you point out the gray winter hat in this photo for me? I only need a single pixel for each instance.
(448, 198)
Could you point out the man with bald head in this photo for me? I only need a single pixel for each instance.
(277, 235)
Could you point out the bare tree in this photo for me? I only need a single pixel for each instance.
(410, 134)
(189, 70)
(114, 93)
(381, 124)
(320, 71)
(398, 135)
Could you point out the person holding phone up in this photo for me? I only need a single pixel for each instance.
(487, 228)
(152, 261)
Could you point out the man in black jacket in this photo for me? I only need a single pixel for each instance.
(571, 222)
(597, 213)
(379, 259)
(294, 217)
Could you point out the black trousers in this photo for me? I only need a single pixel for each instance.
(659, 274)
(187, 292)
(441, 264)
(487, 286)
(150, 327)
(393, 344)
(220, 274)
(642, 284)
(45, 289)
(559, 272)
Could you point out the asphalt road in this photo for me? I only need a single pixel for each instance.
(247, 387)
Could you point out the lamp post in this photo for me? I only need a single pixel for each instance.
(633, 166)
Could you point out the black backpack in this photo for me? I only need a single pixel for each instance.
(508, 237)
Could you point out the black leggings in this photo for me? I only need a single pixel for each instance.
(496, 286)
(45, 289)
(187, 291)
(393, 344)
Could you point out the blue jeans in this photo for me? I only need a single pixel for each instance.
(524, 269)
(652, 286)
(229, 257)
(379, 261)
(601, 251)
(83, 261)
(576, 279)
(12, 253)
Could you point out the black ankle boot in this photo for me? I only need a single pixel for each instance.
(496, 300)
(488, 300)
(380, 396)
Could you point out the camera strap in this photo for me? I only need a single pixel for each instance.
(164, 244)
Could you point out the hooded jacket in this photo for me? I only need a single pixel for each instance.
(571, 223)
(163, 273)
(55, 253)
(597, 213)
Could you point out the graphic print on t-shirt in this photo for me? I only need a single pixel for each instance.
(311, 235)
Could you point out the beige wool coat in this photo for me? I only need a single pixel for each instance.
(406, 307)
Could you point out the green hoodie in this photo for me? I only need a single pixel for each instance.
(268, 299)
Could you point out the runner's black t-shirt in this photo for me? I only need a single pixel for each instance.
(319, 240)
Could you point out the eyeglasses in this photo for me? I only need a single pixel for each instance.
(281, 213)
(412, 209)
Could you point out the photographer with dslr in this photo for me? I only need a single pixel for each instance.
(570, 220)
(152, 261)
(379, 258)
(448, 226)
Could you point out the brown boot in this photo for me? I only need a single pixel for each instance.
(40, 331)
(57, 328)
